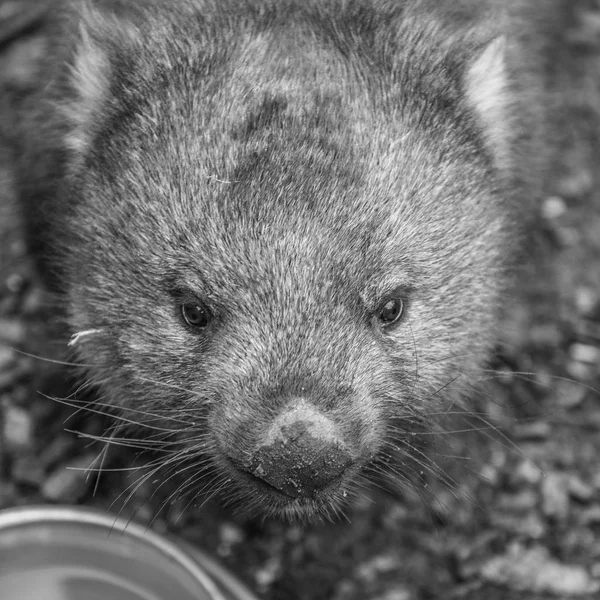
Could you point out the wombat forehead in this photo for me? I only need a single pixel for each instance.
(308, 257)
(294, 262)
(336, 220)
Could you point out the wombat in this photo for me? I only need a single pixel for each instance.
(283, 230)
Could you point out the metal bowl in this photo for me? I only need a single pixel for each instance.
(67, 553)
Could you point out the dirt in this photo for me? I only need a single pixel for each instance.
(516, 514)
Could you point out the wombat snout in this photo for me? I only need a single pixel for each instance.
(301, 453)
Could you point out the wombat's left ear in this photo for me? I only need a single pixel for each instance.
(487, 91)
(96, 31)
(89, 78)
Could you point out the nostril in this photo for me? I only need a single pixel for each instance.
(302, 458)
(301, 471)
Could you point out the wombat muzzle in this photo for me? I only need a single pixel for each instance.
(301, 453)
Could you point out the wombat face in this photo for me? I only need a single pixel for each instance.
(286, 256)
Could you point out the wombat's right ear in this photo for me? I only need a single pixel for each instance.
(90, 72)
(487, 91)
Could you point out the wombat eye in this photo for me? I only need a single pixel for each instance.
(390, 311)
(195, 314)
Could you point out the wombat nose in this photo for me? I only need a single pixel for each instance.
(302, 453)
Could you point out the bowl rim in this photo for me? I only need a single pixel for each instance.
(42, 514)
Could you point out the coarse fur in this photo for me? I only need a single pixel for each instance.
(290, 164)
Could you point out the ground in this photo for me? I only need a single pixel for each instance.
(518, 515)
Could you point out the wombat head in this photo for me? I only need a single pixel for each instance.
(287, 233)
